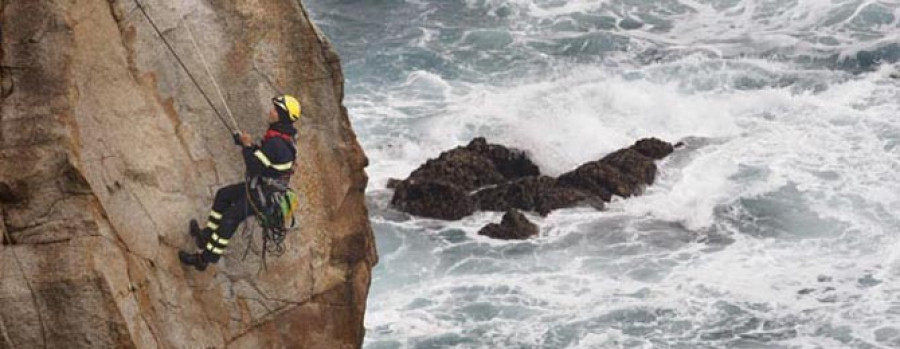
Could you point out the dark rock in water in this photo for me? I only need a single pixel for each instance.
(602, 180)
(462, 167)
(393, 183)
(433, 199)
(510, 163)
(476, 165)
(441, 187)
(492, 177)
(514, 226)
(633, 164)
(540, 194)
(653, 148)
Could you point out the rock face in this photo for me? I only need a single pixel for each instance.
(482, 176)
(107, 150)
(514, 226)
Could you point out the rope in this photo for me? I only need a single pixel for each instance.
(211, 77)
(258, 219)
(7, 239)
(186, 70)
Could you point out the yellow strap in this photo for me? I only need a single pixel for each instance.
(214, 249)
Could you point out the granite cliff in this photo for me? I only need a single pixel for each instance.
(107, 150)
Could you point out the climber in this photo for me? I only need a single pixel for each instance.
(269, 167)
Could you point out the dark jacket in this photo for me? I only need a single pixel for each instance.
(274, 157)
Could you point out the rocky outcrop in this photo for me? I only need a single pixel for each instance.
(107, 150)
(441, 188)
(539, 194)
(476, 165)
(654, 148)
(435, 199)
(601, 179)
(513, 226)
(491, 177)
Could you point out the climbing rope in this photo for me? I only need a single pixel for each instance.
(188, 72)
(208, 73)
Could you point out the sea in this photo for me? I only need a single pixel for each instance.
(776, 226)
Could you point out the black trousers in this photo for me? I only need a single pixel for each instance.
(230, 208)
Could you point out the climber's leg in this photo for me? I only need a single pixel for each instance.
(220, 238)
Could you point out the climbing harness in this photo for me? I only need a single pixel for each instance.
(276, 216)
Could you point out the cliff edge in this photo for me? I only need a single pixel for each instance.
(107, 150)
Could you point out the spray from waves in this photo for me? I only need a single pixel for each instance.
(809, 28)
(784, 183)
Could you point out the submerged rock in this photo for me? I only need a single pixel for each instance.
(539, 194)
(514, 226)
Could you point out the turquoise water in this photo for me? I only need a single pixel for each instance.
(777, 226)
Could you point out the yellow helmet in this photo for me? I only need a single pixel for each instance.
(288, 107)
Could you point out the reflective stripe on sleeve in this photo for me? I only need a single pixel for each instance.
(263, 158)
(268, 163)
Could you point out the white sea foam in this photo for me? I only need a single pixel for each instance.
(776, 225)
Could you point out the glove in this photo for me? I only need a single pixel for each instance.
(237, 138)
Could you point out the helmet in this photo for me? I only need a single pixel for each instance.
(288, 107)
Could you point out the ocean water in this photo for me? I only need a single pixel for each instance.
(778, 226)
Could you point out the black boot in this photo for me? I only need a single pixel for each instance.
(194, 259)
(200, 236)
